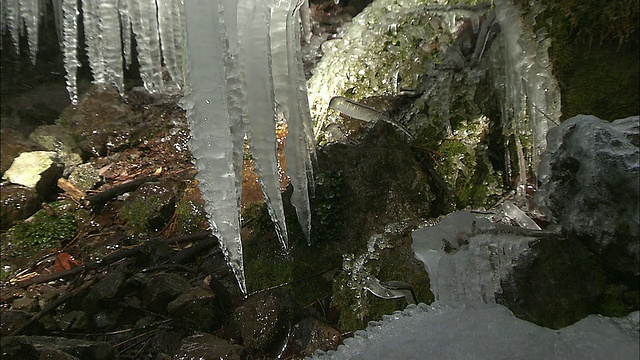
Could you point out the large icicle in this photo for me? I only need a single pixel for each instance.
(144, 23)
(111, 43)
(170, 22)
(70, 45)
(255, 53)
(208, 114)
(91, 21)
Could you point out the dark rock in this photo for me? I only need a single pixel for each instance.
(12, 144)
(84, 177)
(162, 289)
(312, 334)
(12, 319)
(17, 203)
(208, 347)
(34, 347)
(197, 306)
(589, 184)
(74, 321)
(105, 289)
(264, 318)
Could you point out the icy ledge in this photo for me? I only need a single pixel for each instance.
(487, 331)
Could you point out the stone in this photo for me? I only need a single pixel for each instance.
(16, 203)
(36, 169)
(310, 335)
(208, 347)
(59, 139)
(197, 306)
(589, 184)
(264, 318)
(151, 205)
(162, 289)
(84, 176)
(36, 347)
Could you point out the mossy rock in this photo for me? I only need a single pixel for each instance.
(47, 229)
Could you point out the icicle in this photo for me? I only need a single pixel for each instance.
(260, 111)
(111, 42)
(168, 15)
(14, 22)
(179, 38)
(125, 32)
(144, 23)
(91, 17)
(30, 14)
(69, 46)
(289, 98)
(208, 115)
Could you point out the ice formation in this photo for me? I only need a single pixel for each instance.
(467, 256)
(240, 71)
(487, 331)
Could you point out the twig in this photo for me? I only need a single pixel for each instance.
(101, 198)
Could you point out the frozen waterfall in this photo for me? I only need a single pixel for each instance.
(240, 71)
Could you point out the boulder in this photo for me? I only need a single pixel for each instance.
(12, 144)
(36, 169)
(208, 347)
(589, 184)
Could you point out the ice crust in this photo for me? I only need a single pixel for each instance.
(461, 330)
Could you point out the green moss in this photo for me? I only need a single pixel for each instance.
(137, 212)
(41, 232)
(189, 217)
(594, 53)
(464, 164)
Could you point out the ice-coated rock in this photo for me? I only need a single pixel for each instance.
(589, 184)
(487, 331)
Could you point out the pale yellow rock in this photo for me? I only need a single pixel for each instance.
(26, 168)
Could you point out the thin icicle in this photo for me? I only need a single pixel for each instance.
(179, 38)
(208, 115)
(297, 147)
(262, 118)
(14, 22)
(111, 43)
(144, 23)
(125, 32)
(58, 18)
(69, 46)
(30, 14)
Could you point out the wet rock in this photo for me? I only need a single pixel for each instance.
(589, 184)
(105, 289)
(36, 169)
(208, 347)
(59, 139)
(197, 306)
(16, 203)
(34, 347)
(12, 144)
(264, 318)
(151, 205)
(312, 334)
(10, 320)
(84, 177)
(162, 289)
(74, 321)
(101, 120)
